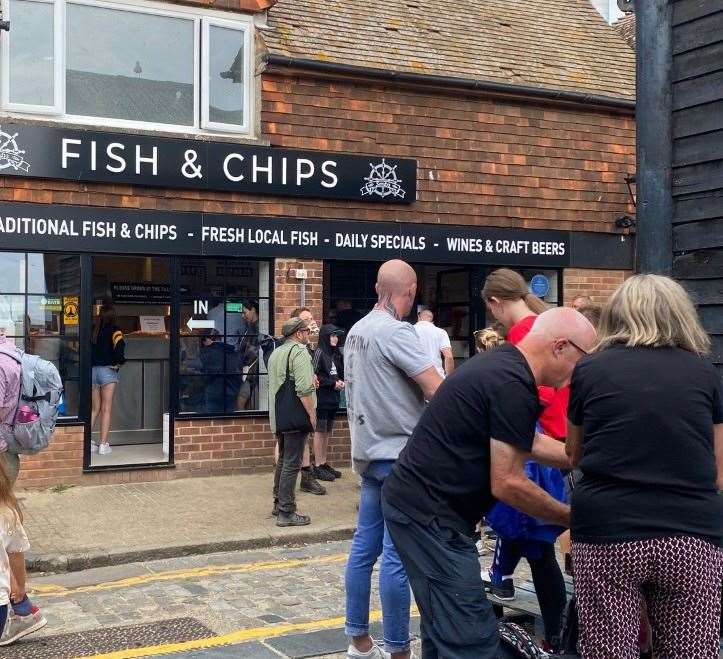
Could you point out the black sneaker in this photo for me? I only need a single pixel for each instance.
(310, 484)
(322, 473)
(504, 592)
(336, 472)
(293, 519)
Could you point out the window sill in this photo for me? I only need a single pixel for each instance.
(154, 130)
(190, 416)
(131, 467)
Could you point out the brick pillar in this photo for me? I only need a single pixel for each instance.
(598, 284)
(287, 290)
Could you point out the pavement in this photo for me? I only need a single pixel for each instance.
(260, 604)
(87, 527)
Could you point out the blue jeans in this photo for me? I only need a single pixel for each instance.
(372, 540)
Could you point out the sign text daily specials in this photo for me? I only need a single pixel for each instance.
(127, 159)
(128, 231)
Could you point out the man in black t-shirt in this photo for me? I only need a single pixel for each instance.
(469, 449)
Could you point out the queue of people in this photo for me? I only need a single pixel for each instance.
(623, 394)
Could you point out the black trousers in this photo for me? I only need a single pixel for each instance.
(546, 576)
(291, 454)
(457, 621)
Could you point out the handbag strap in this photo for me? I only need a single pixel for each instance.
(288, 359)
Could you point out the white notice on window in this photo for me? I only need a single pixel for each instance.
(153, 324)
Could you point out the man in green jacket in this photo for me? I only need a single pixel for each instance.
(291, 444)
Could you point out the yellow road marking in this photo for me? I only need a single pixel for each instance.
(239, 636)
(56, 590)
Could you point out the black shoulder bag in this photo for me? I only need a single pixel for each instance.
(291, 415)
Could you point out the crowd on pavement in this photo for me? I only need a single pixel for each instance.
(606, 421)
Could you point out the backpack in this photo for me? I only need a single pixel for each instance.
(268, 344)
(517, 643)
(41, 391)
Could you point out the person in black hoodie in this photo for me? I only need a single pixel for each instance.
(329, 368)
(217, 358)
(107, 356)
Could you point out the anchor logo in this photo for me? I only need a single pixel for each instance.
(10, 154)
(383, 181)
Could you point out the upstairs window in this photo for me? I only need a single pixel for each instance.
(126, 65)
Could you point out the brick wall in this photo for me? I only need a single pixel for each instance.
(228, 446)
(287, 290)
(481, 161)
(203, 447)
(598, 284)
(62, 463)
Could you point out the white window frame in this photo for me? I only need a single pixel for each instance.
(129, 123)
(206, 122)
(202, 20)
(58, 65)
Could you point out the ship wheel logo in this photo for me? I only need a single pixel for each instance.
(10, 154)
(383, 181)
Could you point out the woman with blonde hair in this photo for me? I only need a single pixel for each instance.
(489, 337)
(646, 430)
(25, 618)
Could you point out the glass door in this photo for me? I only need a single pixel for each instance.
(130, 422)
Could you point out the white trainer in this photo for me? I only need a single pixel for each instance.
(93, 447)
(16, 627)
(375, 653)
(105, 449)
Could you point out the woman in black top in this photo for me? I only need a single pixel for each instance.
(646, 429)
(328, 367)
(107, 355)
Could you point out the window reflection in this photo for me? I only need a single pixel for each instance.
(226, 76)
(45, 320)
(32, 60)
(222, 321)
(143, 72)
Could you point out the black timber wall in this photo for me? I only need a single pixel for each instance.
(697, 80)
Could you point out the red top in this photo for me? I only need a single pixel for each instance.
(554, 415)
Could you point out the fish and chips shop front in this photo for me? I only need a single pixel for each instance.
(207, 198)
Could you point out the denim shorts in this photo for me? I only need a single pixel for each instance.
(103, 375)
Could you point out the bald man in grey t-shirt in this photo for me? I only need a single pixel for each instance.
(388, 376)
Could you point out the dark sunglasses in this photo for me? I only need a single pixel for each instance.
(582, 350)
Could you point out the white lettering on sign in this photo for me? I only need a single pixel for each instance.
(153, 160)
(305, 238)
(200, 307)
(155, 232)
(99, 229)
(304, 170)
(269, 169)
(486, 246)
(38, 226)
(65, 153)
(226, 170)
(326, 169)
(116, 161)
(222, 234)
(111, 152)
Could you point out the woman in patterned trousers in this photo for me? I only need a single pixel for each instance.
(646, 430)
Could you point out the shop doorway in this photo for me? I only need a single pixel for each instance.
(130, 404)
(447, 290)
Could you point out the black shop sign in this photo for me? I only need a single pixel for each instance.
(130, 231)
(127, 159)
